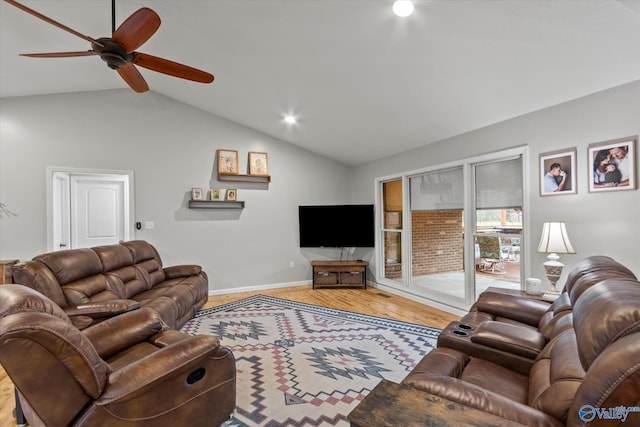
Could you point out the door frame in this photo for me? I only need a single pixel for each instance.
(469, 218)
(129, 229)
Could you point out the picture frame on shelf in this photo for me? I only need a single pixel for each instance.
(196, 194)
(558, 172)
(612, 165)
(232, 194)
(215, 195)
(228, 162)
(258, 163)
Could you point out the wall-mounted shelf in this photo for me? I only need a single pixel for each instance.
(263, 179)
(212, 204)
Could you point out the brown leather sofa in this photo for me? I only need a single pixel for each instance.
(587, 370)
(128, 370)
(93, 284)
(512, 330)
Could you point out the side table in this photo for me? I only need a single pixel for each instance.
(391, 405)
(543, 297)
(5, 270)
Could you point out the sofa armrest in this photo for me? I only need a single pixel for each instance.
(178, 271)
(509, 338)
(100, 309)
(523, 309)
(120, 332)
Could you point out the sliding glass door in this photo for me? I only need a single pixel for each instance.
(455, 230)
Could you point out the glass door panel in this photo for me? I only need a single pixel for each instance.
(392, 229)
(498, 228)
(437, 234)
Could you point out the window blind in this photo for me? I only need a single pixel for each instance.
(499, 184)
(441, 190)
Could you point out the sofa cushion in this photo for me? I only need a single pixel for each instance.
(114, 256)
(556, 376)
(37, 276)
(613, 381)
(593, 267)
(72, 264)
(89, 289)
(127, 281)
(605, 313)
(79, 273)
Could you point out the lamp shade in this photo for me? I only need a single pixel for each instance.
(555, 239)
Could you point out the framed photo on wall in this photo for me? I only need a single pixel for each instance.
(558, 172)
(232, 194)
(228, 161)
(612, 165)
(258, 163)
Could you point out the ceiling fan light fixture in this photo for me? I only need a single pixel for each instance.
(403, 8)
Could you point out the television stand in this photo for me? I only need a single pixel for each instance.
(339, 274)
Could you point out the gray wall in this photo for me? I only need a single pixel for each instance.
(170, 147)
(598, 223)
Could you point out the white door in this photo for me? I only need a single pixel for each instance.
(61, 218)
(89, 209)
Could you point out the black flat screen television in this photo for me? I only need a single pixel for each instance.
(337, 226)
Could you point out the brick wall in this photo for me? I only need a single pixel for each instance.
(393, 256)
(437, 242)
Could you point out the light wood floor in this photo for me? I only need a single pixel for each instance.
(370, 301)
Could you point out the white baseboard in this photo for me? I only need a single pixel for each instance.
(258, 288)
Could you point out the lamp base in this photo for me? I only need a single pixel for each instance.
(553, 269)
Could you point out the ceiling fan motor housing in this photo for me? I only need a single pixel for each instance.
(112, 53)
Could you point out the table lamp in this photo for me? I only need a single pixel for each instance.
(554, 240)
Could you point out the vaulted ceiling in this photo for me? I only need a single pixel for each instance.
(362, 82)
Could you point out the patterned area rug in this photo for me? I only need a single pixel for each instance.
(305, 365)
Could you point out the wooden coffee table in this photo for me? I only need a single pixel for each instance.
(392, 405)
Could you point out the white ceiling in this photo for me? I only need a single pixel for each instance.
(363, 83)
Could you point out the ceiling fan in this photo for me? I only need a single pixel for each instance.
(119, 50)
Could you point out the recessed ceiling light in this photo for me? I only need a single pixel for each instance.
(290, 119)
(403, 8)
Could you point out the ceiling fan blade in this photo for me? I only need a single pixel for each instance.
(171, 68)
(136, 29)
(133, 78)
(52, 22)
(59, 54)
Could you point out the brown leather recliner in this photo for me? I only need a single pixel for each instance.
(541, 315)
(501, 325)
(127, 370)
(582, 375)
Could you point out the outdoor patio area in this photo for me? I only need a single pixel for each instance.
(452, 283)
